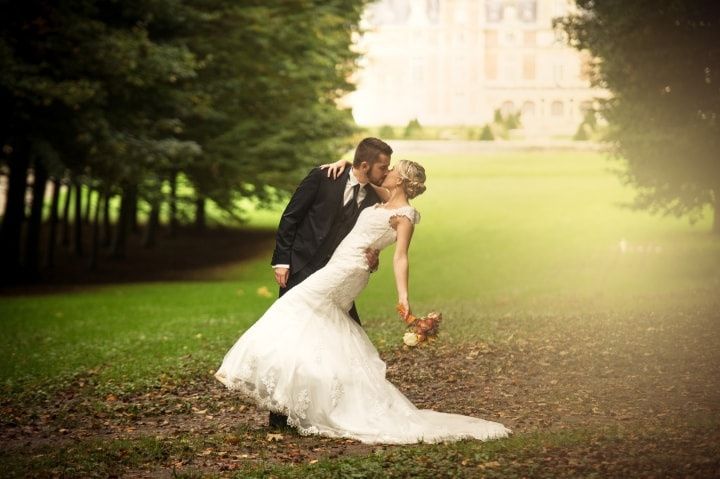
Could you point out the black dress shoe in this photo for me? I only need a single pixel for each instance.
(277, 421)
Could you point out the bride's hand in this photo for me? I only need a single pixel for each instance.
(335, 169)
(406, 306)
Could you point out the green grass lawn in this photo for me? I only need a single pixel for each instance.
(501, 236)
(518, 233)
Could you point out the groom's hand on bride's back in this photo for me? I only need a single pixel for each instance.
(281, 276)
(372, 256)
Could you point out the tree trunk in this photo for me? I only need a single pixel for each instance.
(66, 216)
(200, 213)
(11, 229)
(95, 232)
(88, 198)
(152, 225)
(77, 221)
(133, 210)
(106, 227)
(52, 234)
(173, 205)
(121, 228)
(32, 240)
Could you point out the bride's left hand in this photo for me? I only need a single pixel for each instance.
(406, 306)
(335, 169)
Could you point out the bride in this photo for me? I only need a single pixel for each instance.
(307, 359)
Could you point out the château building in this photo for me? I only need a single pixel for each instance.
(453, 62)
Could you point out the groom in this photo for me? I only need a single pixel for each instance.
(321, 212)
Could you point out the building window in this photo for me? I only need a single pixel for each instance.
(557, 108)
(528, 67)
(528, 10)
(491, 69)
(493, 11)
(558, 73)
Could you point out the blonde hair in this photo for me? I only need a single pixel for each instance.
(413, 176)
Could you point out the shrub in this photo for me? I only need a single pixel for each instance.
(387, 132)
(486, 134)
(413, 129)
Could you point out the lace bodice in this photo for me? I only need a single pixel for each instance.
(372, 230)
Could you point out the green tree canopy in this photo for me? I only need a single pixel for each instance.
(238, 96)
(660, 60)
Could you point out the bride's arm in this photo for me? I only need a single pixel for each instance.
(401, 266)
(336, 169)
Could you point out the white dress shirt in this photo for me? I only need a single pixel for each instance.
(352, 181)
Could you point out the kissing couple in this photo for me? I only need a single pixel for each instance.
(307, 360)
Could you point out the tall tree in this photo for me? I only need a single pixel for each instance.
(77, 221)
(65, 238)
(267, 93)
(32, 248)
(236, 98)
(11, 228)
(660, 59)
(95, 238)
(52, 233)
(106, 228)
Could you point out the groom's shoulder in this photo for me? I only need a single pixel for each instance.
(316, 174)
(319, 175)
(313, 172)
(313, 177)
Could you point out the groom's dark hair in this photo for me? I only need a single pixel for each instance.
(369, 149)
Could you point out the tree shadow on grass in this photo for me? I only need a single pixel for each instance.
(189, 256)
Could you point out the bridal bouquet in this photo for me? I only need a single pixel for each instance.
(419, 329)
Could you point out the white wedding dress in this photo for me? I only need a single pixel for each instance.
(306, 357)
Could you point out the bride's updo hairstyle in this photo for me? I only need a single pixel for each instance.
(413, 175)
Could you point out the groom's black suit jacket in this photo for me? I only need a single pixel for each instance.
(303, 238)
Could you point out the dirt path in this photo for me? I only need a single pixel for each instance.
(642, 373)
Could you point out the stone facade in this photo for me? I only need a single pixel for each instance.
(453, 62)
